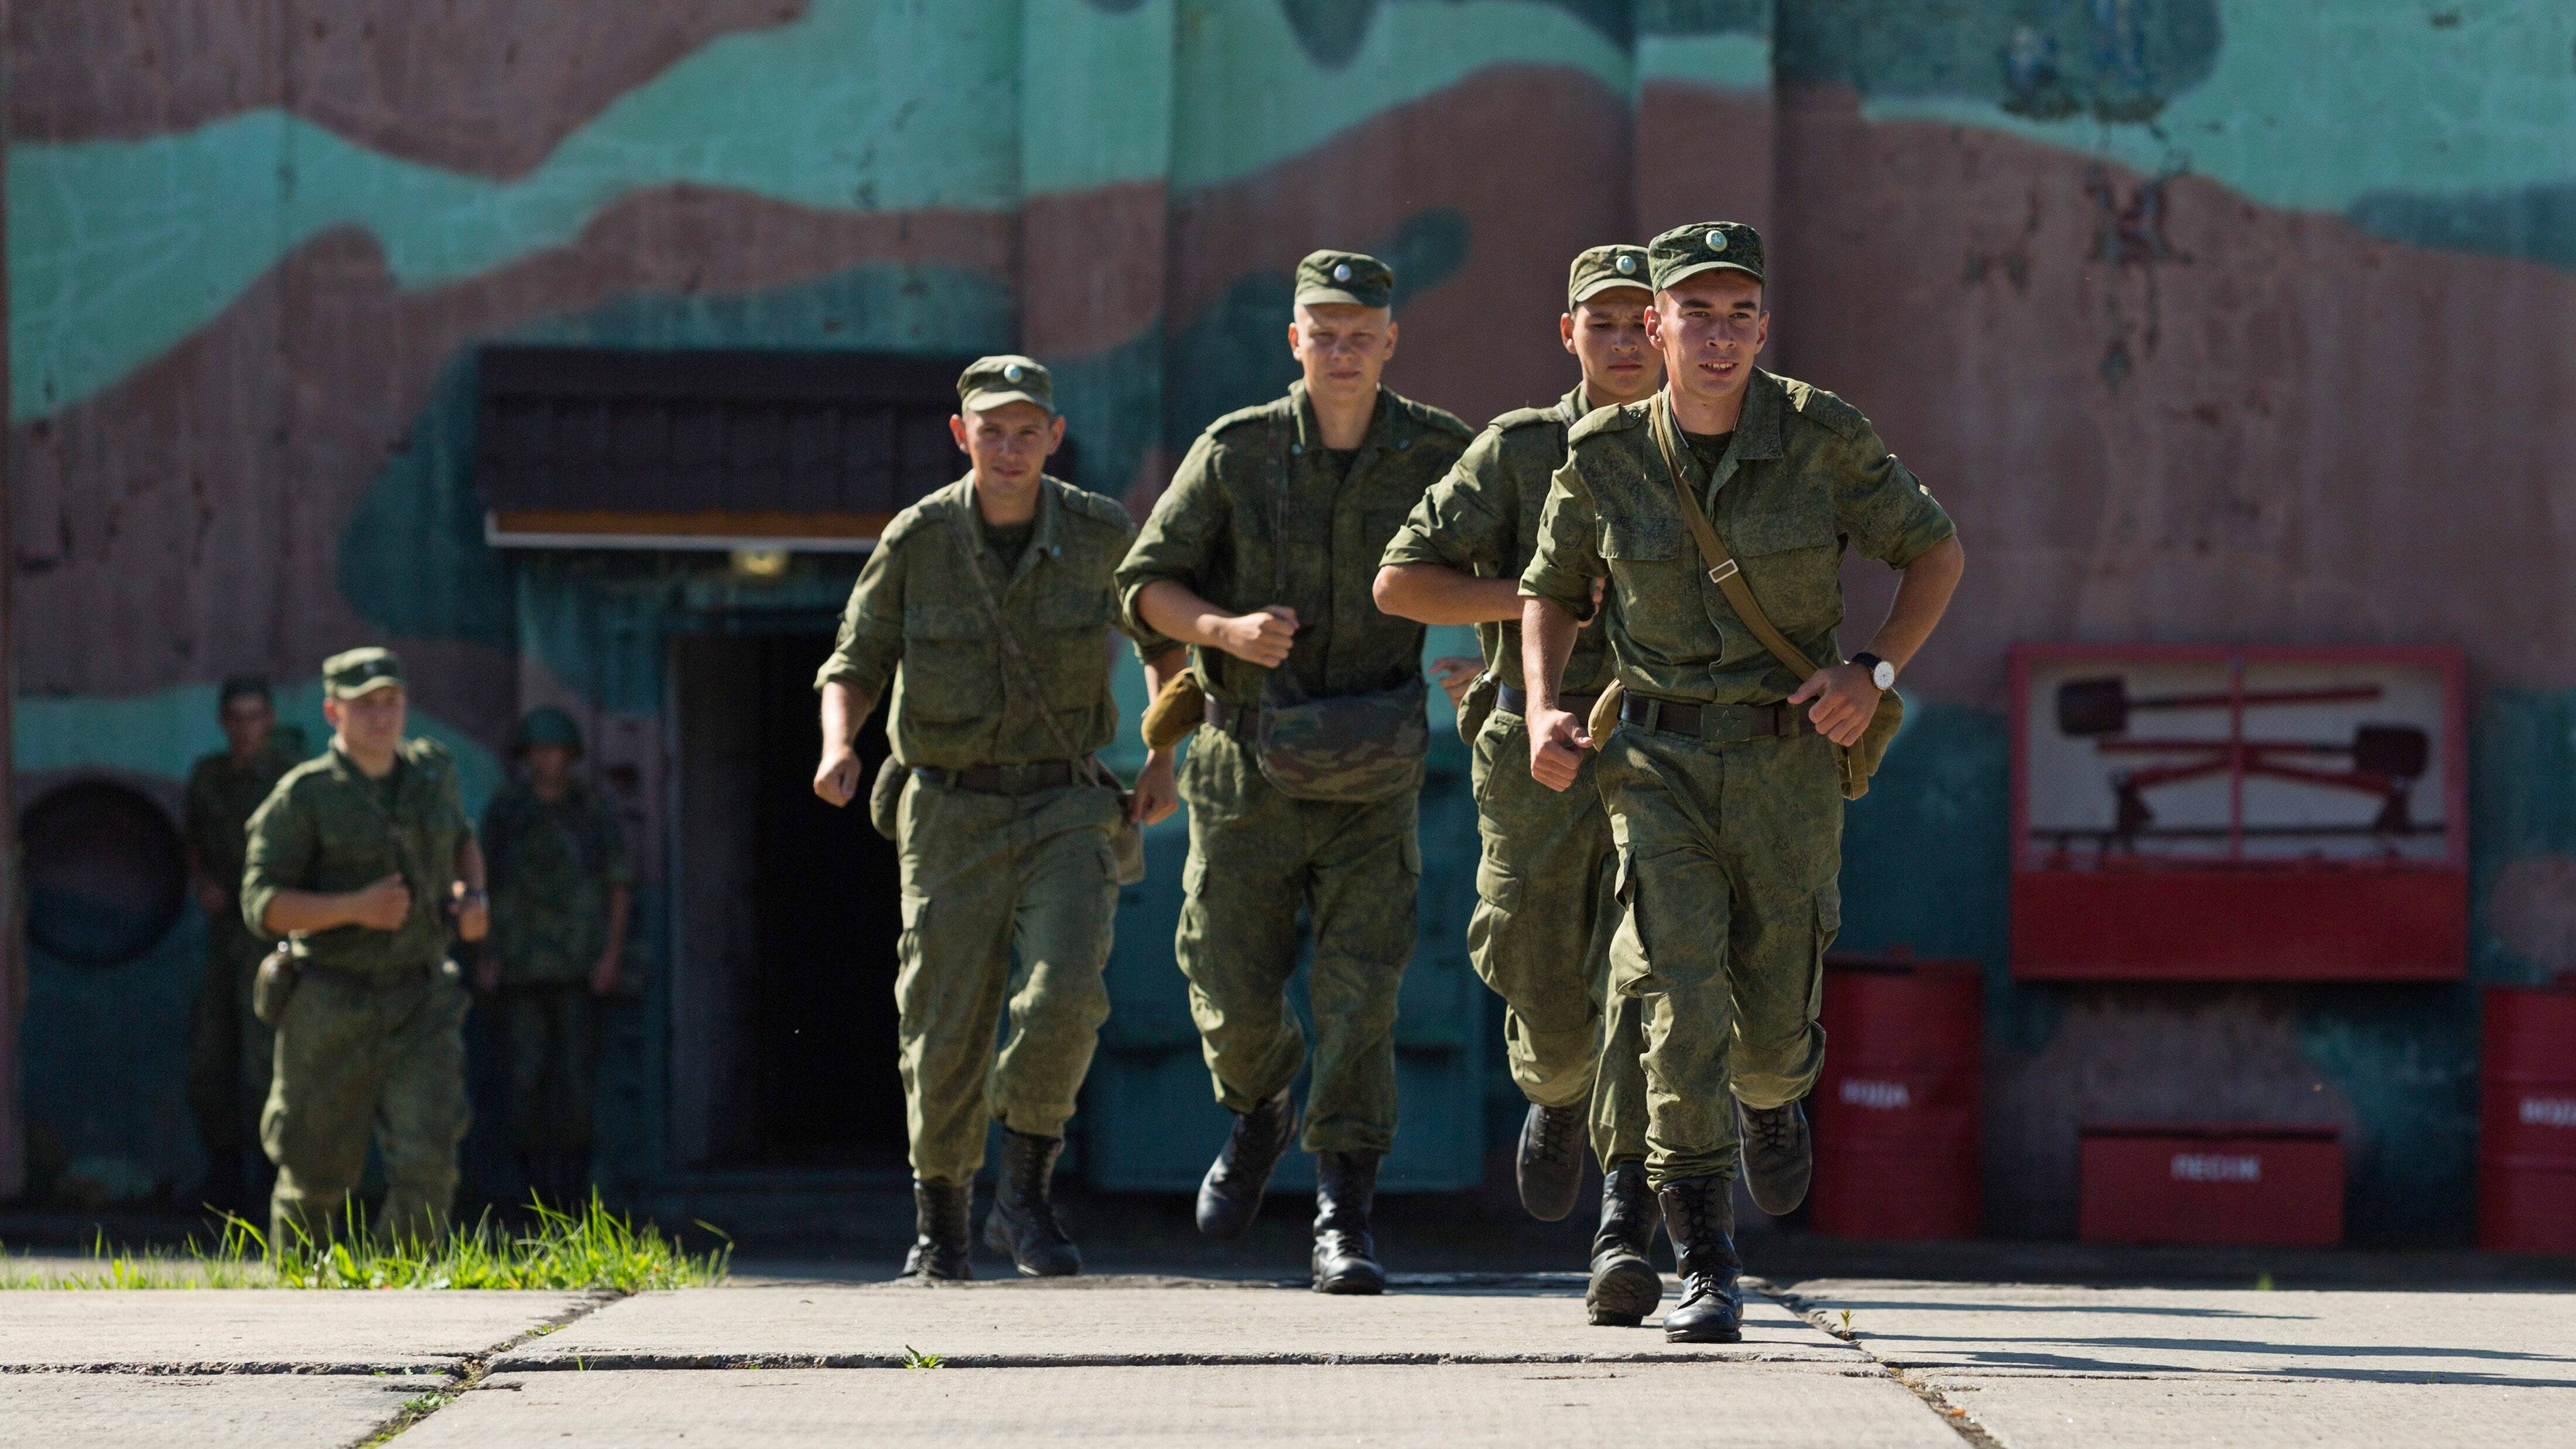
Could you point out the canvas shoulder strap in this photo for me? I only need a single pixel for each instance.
(1722, 568)
(1022, 672)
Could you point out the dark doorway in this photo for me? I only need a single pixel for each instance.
(784, 1041)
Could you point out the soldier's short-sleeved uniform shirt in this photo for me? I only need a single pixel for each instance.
(327, 827)
(1216, 531)
(551, 867)
(916, 619)
(1482, 519)
(222, 796)
(1805, 478)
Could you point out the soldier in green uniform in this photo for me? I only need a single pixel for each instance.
(1723, 777)
(359, 859)
(561, 889)
(987, 606)
(1545, 903)
(228, 1049)
(1279, 617)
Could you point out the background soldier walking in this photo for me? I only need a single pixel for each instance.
(988, 606)
(1261, 556)
(561, 889)
(357, 859)
(1724, 776)
(228, 1048)
(1545, 902)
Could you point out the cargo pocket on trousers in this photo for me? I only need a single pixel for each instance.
(1828, 905)
(1631, 972)
(1497, 884)
(916, 914)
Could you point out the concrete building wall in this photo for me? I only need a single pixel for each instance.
(2210, 319)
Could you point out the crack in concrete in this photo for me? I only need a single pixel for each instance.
(471, 1370)
(1931, 1396)
(622, 1362)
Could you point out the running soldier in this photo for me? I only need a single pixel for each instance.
(1545, 900)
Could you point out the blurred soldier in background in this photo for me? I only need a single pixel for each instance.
(363, 861)
(561, 889)
(1303, 781)
(228, 1048)
(1545, 891)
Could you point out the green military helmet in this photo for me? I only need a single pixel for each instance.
(353, 672)
(990, 382)
(546, 725)
(1352, 279)
(1705, 246)
(1599, 269)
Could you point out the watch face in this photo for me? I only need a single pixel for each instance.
(1883, 674)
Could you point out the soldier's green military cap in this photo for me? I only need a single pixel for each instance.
(1598, 269)
(353, 672)
(989, 382)
(1705, 246)
(546, 725)
(1354, 279)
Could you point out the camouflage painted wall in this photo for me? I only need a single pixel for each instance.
(2211, 319)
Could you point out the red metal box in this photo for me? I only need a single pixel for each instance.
(2165, 1182)
(2239, 813)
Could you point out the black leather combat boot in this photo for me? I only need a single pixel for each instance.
(1625, 1286)
(1699, 1213)
(1779, 1156)
(939, 1244)
(1230, 1195)
(1345, 1252)
(1023, 1222)
(1549, 1168)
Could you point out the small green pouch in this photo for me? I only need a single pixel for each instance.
(885, 797)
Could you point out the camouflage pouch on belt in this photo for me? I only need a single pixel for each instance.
(1347, 748)
(274, 986)
(885, 797)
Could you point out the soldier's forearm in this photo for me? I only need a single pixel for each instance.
(469, 863)
(844, 707)
(1922, 595)
(1177, 612)
(1547, 640)
(1430, 593)
(1160, 670)
(290, 911)
(621, 900)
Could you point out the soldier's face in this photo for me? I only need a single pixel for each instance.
(1008, 444)
(1606, 332)
(1709, 329)
(247, 719)
(549, 764)
(373, 721)
(1343, 349)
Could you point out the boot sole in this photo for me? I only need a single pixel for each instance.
(1703, 1335)
(1624, 1294)
(1344, 1288)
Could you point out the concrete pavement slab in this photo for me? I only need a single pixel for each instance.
(2487, 1337)
(2031, 1411)
(219, 1411)
(1109, 1322)
(1779, 1406)
(285, 1329)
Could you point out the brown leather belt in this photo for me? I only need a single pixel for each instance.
(1517, 701)
(1242, 721)
(1716, 723)
(1004, 779)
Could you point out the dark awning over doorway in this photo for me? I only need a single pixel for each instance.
(602, 447)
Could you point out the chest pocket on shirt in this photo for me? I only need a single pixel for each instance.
(949, 672)
(1070, 650)
(1639, 532)
(1782, 531)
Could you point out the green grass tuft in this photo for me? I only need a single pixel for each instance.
(587, 1248)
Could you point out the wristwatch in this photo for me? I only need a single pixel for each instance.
(1881, 673)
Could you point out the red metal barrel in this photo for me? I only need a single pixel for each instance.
(1897, 1110)
(2527, 1122)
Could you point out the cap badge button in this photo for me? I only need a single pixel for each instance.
(1717, 241)
(1627, 265)
(1342, 272)
(1013, 373)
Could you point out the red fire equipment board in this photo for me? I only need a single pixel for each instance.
(2239, 813)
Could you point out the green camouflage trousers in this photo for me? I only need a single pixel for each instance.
(1546, 908)
(357, 1060)
(1257, 857)
(228, 1048)
(550, 1036)
(1727, 862)
(1008, 900)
